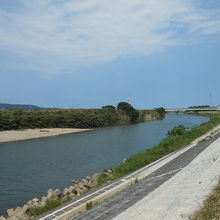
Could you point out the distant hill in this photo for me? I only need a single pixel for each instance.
(5, 106)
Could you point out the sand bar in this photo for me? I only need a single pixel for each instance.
(18, 135)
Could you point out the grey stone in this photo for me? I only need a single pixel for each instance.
(57, 193)
(80, 185)
(19, 210)
(2, 218)
(10, 212)
(44, 199)
(71, 189)
(35, 200)
(66, 191)
(25, 207)
(109, 171)
(13, 218)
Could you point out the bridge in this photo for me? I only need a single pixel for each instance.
(215, 108)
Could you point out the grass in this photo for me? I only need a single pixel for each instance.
(211, 207)
(50, 204)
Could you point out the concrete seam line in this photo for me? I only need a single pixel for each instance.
(173, 171)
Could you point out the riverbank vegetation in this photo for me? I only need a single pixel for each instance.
(178, 137)
(210, 208)
(75, 118)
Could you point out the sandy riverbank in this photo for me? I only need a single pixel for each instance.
(18, 135)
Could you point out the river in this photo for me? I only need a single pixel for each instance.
(29, 168)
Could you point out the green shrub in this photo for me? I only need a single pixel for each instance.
(176, 131)
(89, 205)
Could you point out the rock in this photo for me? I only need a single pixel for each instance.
(71, 189)
(53, 194)
(13, 218)
(71, 195)
(73, 180)
(84, 189)
(10, 212)
(109, 171)
(25, 207)
(57, 193)
(35, 200)
(2, 218)
(22, 216)
(30, 203)
(44, 199)
(124, 160)
(49, 191)
(88, 178)
(95, 176)
(42, 204)
(66, 191)
(85, 183)
(91, 183)
(19, 210)
(77, 189)
(80, 185)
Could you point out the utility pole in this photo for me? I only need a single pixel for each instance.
(129, 99)
(210, 99)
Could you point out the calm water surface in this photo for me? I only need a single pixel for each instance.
(29, 168)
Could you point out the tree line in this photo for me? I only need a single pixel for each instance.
(124, 113)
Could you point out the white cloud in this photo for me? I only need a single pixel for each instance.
(57, 36)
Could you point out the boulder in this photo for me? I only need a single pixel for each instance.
(44, 199)
(66, 191)
(71, 189)
(88, 178)
(53, 194)
(13, 218)
(35, 200)
(19, 210)
(57, 193)
(109, 171)
(84, 189)
(85, 183)
(42, 204)
(77, 189)
(2, 218)
(10, 212)
(71, 195)
(30, 203)
(22, 216)
(91, 184)
(80, 185)
(50, 190)
(25, 208)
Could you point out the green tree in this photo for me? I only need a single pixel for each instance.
(129, 110)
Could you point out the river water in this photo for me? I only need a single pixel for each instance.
(29, 168)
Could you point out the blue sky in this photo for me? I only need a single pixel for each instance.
(90, 53)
